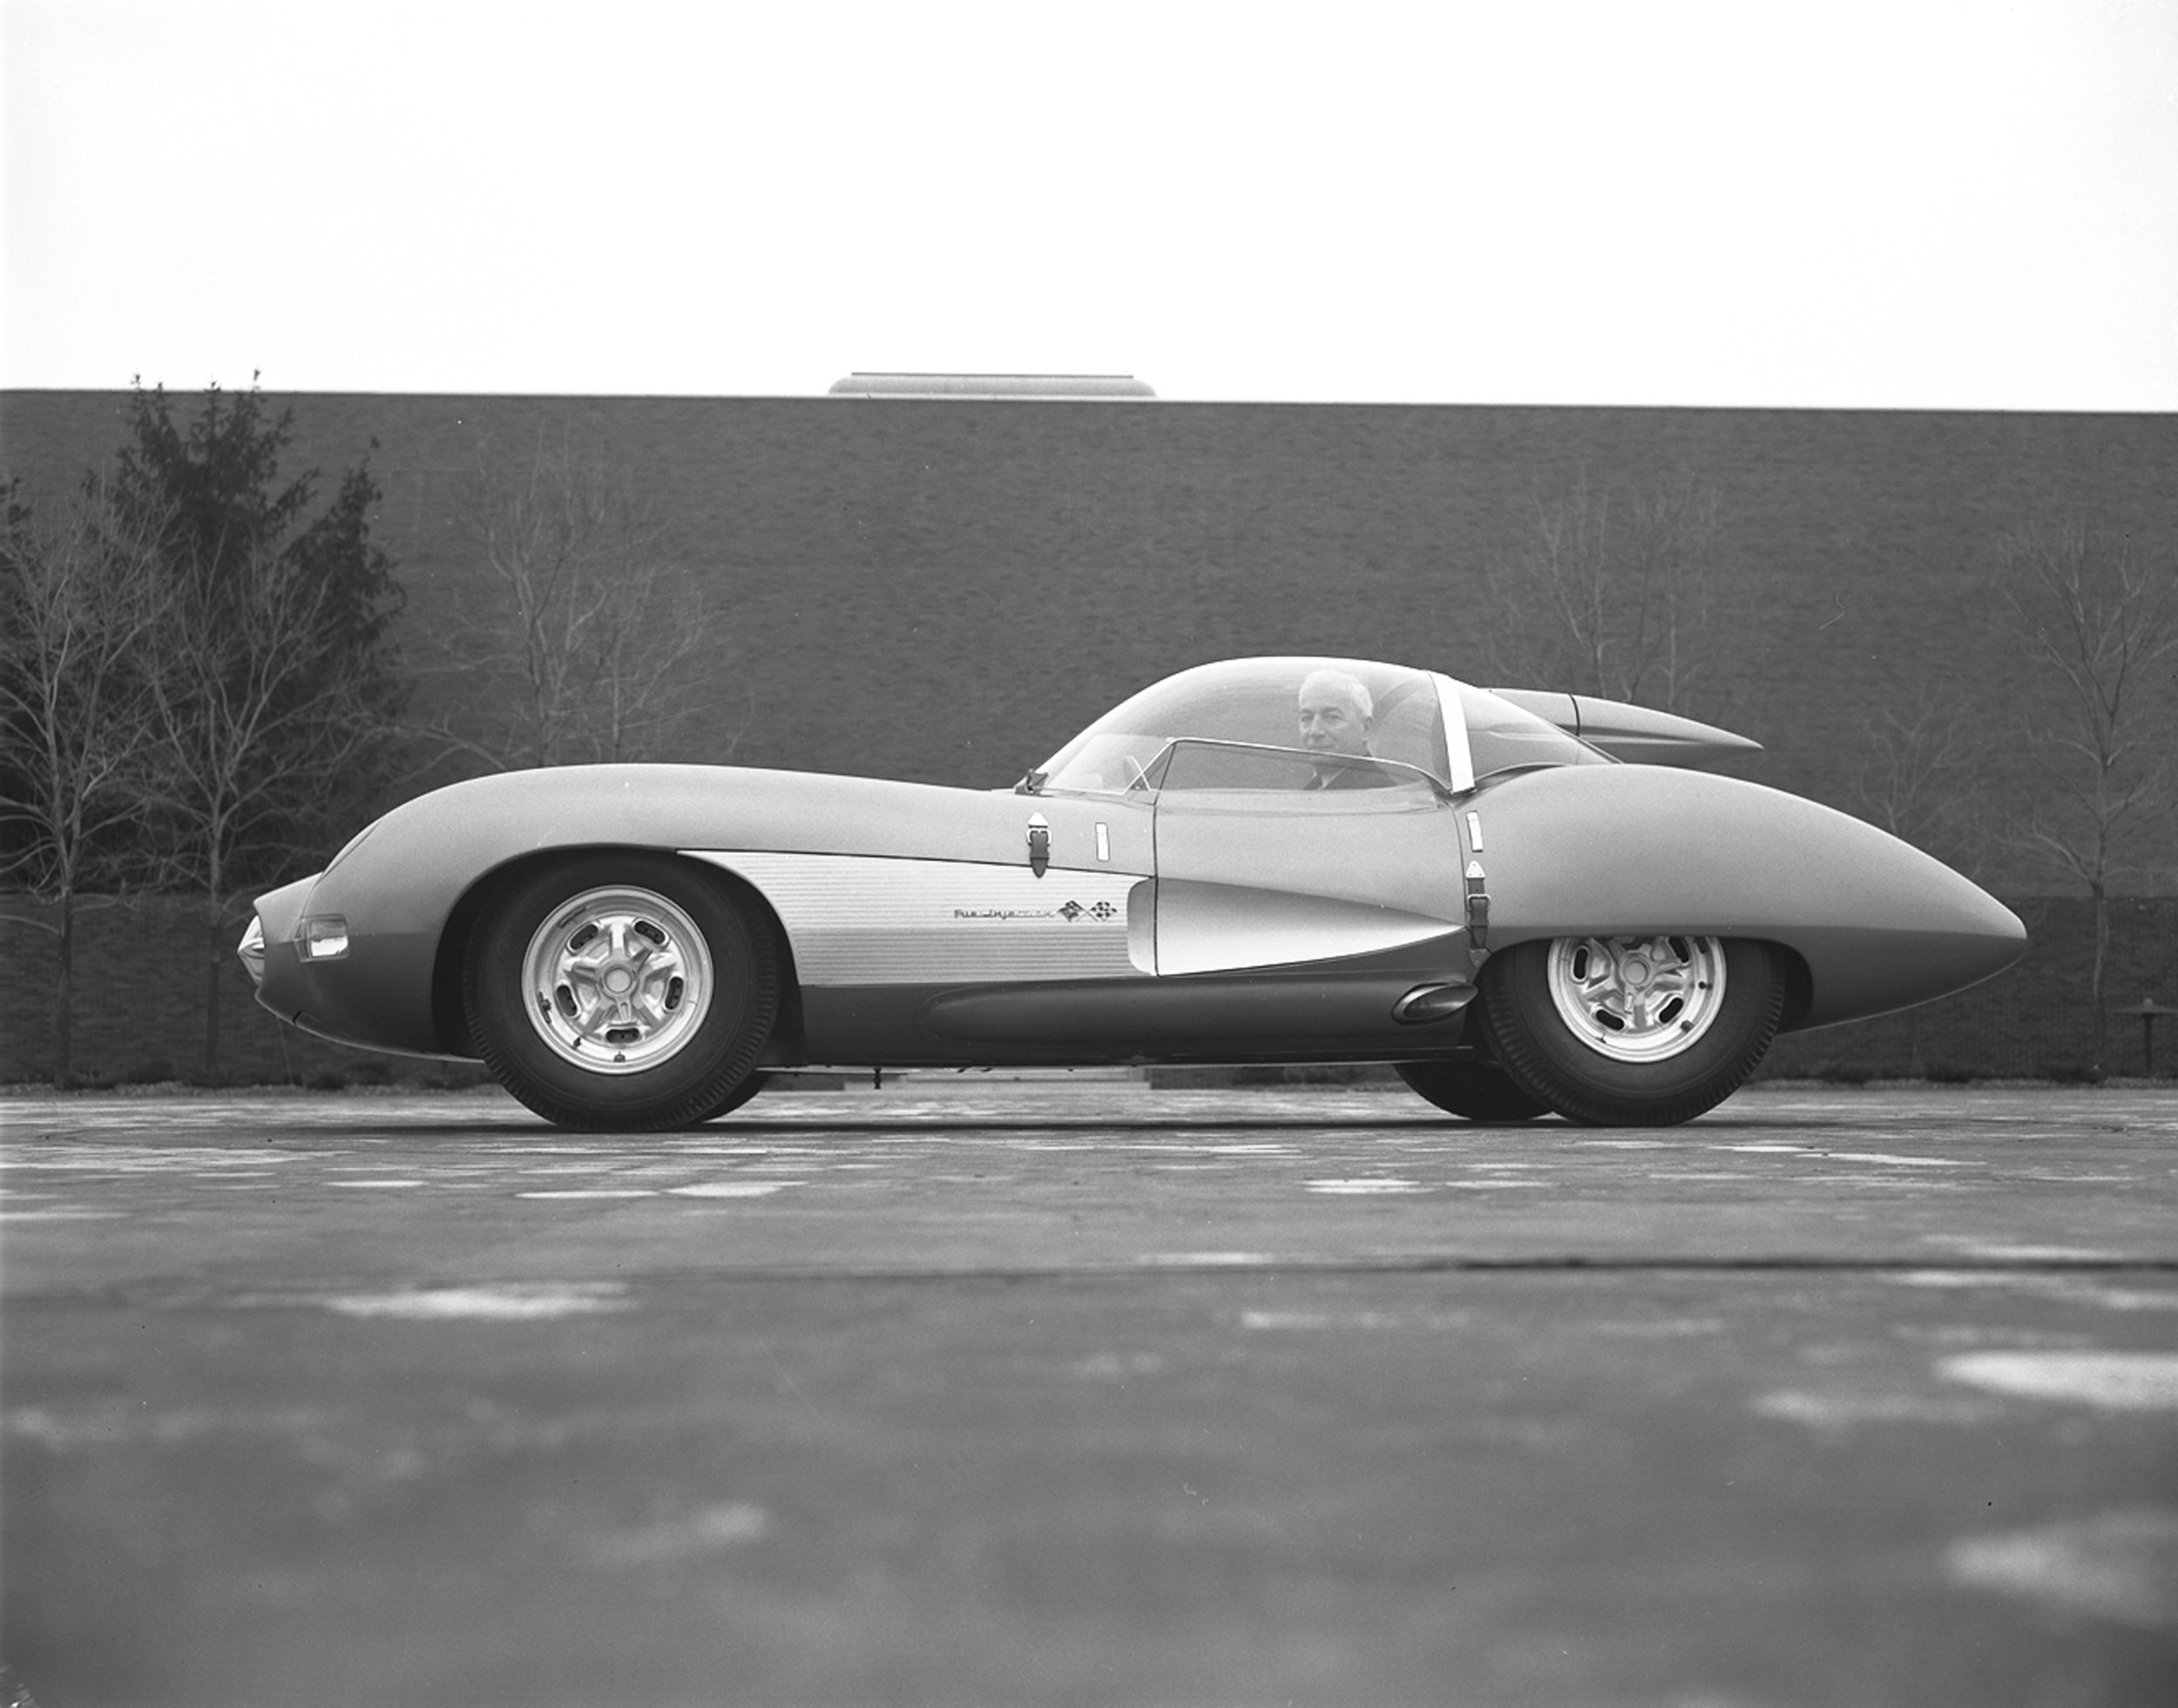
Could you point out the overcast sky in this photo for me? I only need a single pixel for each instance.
(1898, 205)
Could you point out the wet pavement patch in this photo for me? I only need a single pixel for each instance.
(2119, 1566)
(481, 1304)
(2129, 1381)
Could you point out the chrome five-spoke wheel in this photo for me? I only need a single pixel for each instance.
(1638, 999)
(618, 979)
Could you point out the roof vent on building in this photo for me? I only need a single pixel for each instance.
(991, 385)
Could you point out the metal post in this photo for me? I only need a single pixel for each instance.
(2148, 1011)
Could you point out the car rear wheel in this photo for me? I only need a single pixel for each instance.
(620, 992)
(1472, 1091)
(1633, 1032)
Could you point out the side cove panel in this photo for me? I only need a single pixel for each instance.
(860, 919)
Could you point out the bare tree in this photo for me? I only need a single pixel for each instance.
(591, 632)
(254, 711)
(2094, 618)
(1621, 593)
(79, 602)
(1918, 773)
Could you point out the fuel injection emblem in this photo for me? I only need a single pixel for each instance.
(1070, 912)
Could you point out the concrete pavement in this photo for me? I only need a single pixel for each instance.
(974, 1391)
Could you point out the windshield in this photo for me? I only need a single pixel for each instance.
(1340, 709)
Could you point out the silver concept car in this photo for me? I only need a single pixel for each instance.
(1529, 902)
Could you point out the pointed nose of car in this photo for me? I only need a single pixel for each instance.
(251, 951)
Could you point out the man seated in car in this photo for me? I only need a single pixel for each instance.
(1337, 717)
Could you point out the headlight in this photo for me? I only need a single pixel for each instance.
(323, 937)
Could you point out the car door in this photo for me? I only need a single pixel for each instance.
(1256, 868)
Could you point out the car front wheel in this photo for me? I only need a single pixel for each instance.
(620, 992)
(739, 1095)
(1633, 1032)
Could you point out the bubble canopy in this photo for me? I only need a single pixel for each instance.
(1234, 718)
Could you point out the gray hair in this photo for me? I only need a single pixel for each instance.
(1348, 688)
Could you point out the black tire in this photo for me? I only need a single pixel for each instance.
(1473, 1091)
(1633, 1032)
(739, 1095)
(620, 992)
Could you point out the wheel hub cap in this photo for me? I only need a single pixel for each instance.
(1638, 999)
(617, 980)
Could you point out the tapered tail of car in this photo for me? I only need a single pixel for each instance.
(1639, 850)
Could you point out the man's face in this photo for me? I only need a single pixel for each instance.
(1331, 723)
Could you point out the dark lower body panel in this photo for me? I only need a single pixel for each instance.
(1315, 1017)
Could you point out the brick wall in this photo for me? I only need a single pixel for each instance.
(140, 980)
(948, 591)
